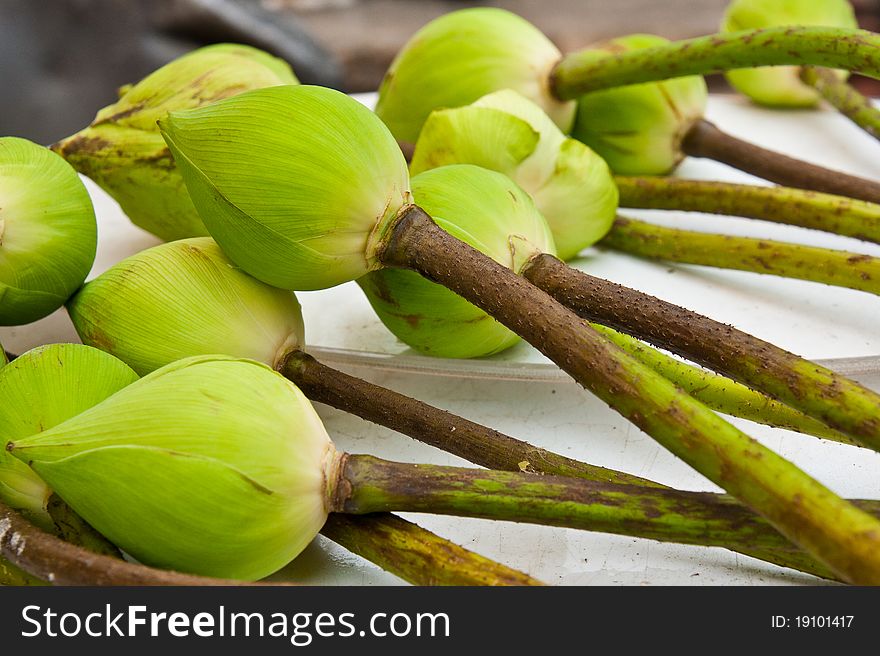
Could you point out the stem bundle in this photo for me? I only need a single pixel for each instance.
(823, 265)
(761, 479)
(844, 97)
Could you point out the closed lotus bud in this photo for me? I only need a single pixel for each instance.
(570, 184)
(638, 129)
(489, 212)
(781, 86)
(124, 153)
(182, 299)
(210, 465)
(48, 233)
(295, 183)
(462, 56)
(41, 389)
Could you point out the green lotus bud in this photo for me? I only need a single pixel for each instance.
(48, 234)
(41, 389)
(489, 212)
(781, 86)
(462, 56)
(124, 153)
(295, 183)
(638, 129)
(571, 185)
(182, 299)
(210, 465)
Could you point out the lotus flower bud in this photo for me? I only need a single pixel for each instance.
(182, 299)
(124, 153)
(43, 388)
(462, 56)
(489, 212)
(48, 233)
(210, 465)
(781, 86)
(505, 132)
(295, 183)
(638, 129)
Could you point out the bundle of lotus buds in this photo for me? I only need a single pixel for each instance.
(181, 434)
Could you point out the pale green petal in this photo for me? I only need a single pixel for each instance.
(41, 389)
(210, 465)
(780, 86)
(182, 299)
(292, 182)
(462, 56)
(48, 233)
(491, 213)
(124, 153)
(638, 129)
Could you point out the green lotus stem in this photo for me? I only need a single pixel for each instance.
(816, 391)
(367, 484)
(823, 265)
(807, 209)
(416, 555)
(793, 502)
(849, 49)
(723, 394)
(844, 97)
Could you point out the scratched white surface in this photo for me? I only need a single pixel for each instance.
(817, 321)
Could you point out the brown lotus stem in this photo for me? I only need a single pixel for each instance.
(706, 140)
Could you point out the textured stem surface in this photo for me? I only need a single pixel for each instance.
(800, 207)
(370, 484)
(705, 140)
(844, 97)
(721, 393)
(848, 49)
(473, 442)
(815, 390)
(795, 503)
(823, 265)
(416, 555)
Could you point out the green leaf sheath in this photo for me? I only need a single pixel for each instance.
(416, 555)
(844, 97)
(489, 448)
(816, 391)
(823, 265)
(792, 501)
(721, 393)
(49, 558)
(849, 49)
(370, 484)
(808, 209)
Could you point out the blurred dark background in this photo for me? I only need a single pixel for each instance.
(61, 60)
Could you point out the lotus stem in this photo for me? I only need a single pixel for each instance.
(823, 265)
(367, 484)
(723, 394)
(416, 555)
(844, 97)
(814, 390)
(807, 209)
(706, 140)
(793, 502)
(849, 49)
